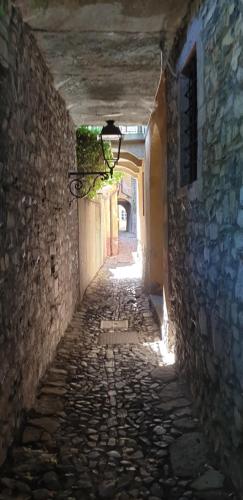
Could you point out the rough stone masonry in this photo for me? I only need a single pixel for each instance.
(111, 421)
(206, 228)
(38, 229)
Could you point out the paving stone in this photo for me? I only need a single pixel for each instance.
(56, 391)
(210, 480)
(48, 405)
(107, 489)
(171, 391)
(164, 373)
(106, 419)
(169, 406)
(49, 424)
(120, 324)
(41, 494)
(188, 454)
(31, 435)
(212, 495)
(185, 424)
(159, 430)
(51, 481)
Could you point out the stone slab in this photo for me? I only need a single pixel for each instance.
(185, 424)
(164, 373)
(171, 391)
(48, 424)
(169, 406)
(112, 338)
(188, 454)
(121, 324)
(156, 302)
(211, 480)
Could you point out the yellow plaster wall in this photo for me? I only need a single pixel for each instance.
(141, 207)
(155, 174)
(98, 235)
(114, 223)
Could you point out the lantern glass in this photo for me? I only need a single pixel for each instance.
(111, 133)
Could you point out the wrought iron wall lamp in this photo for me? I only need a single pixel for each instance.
(77, 179)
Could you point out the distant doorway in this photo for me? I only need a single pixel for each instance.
(122, 218)
(124, 215)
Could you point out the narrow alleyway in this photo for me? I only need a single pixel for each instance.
(110, 421)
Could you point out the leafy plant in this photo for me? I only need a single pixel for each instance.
(3, 8)
(39, 4)
(117, 176)
(90, 158)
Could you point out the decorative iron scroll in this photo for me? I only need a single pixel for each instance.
(78, 186)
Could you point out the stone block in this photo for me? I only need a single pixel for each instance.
(238, 239)
(239, 75)
(240, 218)
(10, 220)
(203, 322)
(213, 231)
(211, 369)
(3, 45)
(228, 39)
(238, 419)
(239, 284)
(238, 106)
(206, 255)
(220, 285)
(241, 319)
(210, 480)
(241, 196)
(218, 340)
(188, 454)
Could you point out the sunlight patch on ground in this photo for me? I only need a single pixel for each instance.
(159, 347)
(130, 271)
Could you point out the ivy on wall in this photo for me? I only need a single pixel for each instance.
(3, 8)
(90, 158)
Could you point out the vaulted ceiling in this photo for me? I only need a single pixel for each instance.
(104, 55)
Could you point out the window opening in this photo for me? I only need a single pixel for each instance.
(188, 121)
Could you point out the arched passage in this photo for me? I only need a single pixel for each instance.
(127, 206)
(134, 166)
(122, 218)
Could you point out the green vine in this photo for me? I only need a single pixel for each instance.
(90, 158)
(3, 8)
(39, 4)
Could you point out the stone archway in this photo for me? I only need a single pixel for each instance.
(131, 164)
(127, 206)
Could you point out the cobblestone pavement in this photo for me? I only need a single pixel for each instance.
(110, 422)
(127, 248)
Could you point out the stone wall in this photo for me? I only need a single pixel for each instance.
(206, 229)
(39, 275)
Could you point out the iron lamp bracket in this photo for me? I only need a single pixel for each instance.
(78, 185)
